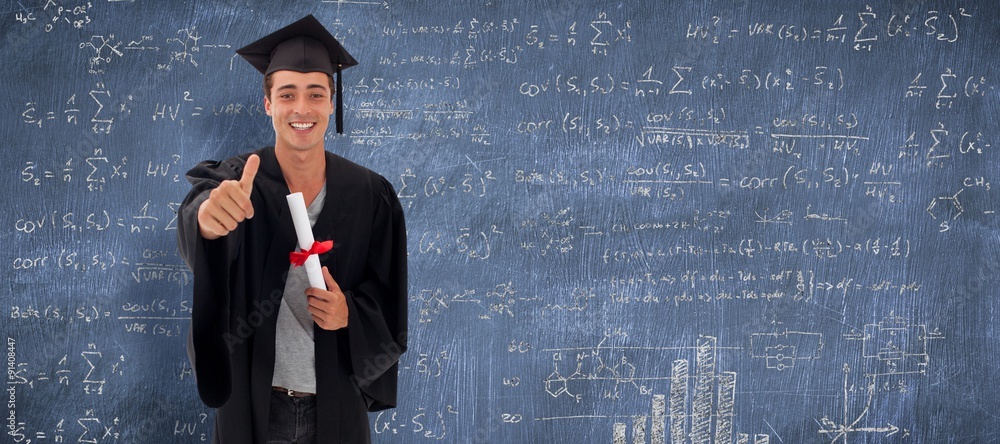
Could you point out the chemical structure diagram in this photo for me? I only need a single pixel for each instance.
(182, 49)
(105, 48)
(589, 365)
(941, 207)
(189, 40)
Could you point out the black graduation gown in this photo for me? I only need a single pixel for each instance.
(238, 284)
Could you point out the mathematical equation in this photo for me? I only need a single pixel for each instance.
(818, 248)
(505, 302)
(87, 428)
(687, 80)
(139, 222)
(99, 369)
(502, 300)
(600, 35)
(426, 423)
(98, 172)
(190, 108)
(68, 112)
(799, 285)
(479, 182)
(860, 31)
(157, 317)
(667, 180)
(142, 271)
(378, 136)
(951, 90)
(944, 144)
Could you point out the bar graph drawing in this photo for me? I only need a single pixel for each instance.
(699, 408)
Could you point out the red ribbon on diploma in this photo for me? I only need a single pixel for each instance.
(298, 258)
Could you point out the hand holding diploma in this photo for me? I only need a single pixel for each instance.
(328, 308)
(327, 302)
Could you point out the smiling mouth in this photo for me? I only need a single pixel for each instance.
(302, 126)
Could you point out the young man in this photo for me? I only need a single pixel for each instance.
(280, 361)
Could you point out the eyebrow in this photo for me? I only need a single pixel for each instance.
(293, 87)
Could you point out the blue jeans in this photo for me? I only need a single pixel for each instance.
(293, 420)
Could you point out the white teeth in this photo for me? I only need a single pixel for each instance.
(302, 125)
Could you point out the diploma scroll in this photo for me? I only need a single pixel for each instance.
(303, 231)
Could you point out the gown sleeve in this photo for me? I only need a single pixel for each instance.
(377, 306)
(210, 262)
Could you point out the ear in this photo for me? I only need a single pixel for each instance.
(267, 106)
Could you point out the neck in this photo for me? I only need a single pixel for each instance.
(303, 170)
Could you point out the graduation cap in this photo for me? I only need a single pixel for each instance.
(303, 46)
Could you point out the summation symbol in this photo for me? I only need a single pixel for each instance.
(92, 382)
(946, 100)
(865, 38)
(606, 34)
(94, 431)
(101, 124)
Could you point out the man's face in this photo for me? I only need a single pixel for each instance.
(300, 107)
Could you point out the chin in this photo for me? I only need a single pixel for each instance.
(303, 149)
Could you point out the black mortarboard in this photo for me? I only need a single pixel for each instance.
(303, 46)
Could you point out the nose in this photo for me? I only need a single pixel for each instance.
(301, 105)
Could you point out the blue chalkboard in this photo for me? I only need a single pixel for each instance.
(645, 222)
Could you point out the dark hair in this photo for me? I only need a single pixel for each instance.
(268, 83)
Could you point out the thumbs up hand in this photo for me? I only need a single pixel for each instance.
(228, 204)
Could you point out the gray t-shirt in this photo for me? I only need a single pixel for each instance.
(294, 352)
